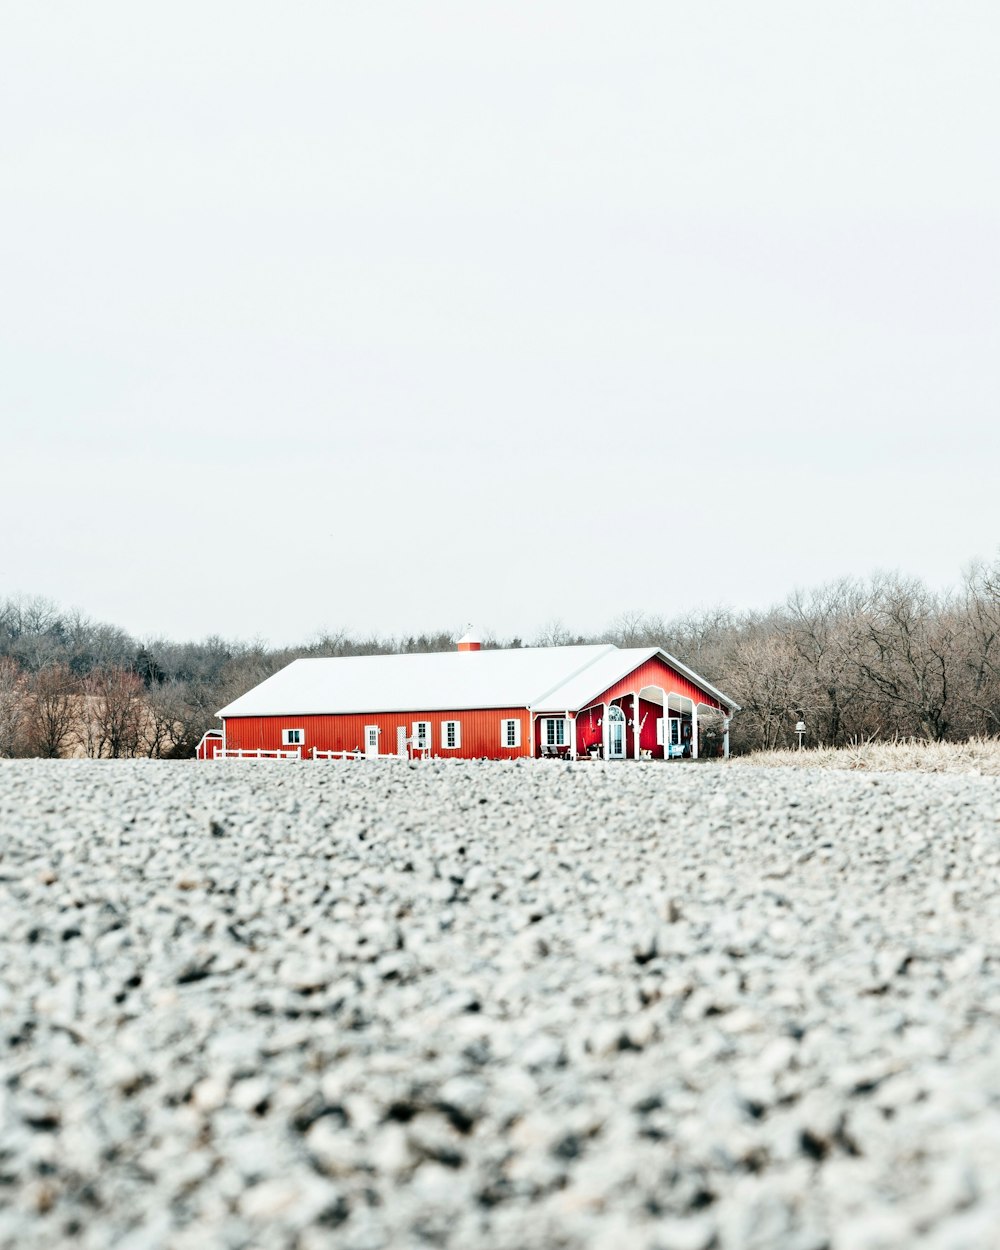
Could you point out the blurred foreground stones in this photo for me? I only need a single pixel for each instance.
(510, 1006)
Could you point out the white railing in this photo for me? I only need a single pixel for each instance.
(295, 753)
(291, 754)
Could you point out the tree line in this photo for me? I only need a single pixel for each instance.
(879, 657)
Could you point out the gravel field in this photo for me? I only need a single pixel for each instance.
(505, 1006)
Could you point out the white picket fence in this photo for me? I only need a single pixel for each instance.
(295, 753)
(291, 754)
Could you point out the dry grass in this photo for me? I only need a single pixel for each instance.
(978, 757)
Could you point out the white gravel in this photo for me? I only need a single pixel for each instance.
(519, 1006)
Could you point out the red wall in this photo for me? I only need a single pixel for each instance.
(480, 732)
(588, 732)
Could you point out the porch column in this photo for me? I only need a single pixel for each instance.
(725, 738)
(572, 741)
(663, 723)
(635, 725)
(694, 730)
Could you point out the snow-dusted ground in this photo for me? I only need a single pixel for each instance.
(526, 1006)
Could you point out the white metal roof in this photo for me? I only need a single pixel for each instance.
(577, 691)
(541, 678)
(440, 681)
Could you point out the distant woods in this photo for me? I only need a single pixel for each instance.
(878, 658)
(71, 686)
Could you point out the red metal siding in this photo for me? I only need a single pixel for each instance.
(480, 732)
(588, 732)
(649, 714)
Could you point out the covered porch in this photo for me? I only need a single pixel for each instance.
(651, 723)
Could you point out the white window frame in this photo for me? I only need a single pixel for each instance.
(447, 727)
(510, 729)
(555, 731)
(675, 731)
(293, 737)
(422, 735)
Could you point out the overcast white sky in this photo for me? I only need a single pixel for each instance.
(396, 316)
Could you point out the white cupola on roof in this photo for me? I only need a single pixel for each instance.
(470, 641)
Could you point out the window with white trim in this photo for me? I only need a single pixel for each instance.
(659, 731)
(422, 735)
(555, 731)
(510, 733)
(293, 737)
(451, 735)
(675, 730)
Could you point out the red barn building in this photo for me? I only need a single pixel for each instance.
(211, 743)
(586, 701)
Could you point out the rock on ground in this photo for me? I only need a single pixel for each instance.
(520, 1006)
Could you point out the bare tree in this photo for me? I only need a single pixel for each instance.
(902, 643)
(176, 719)
(816, 629)
(114, 714)
(52, 711)
(705, 640)
(553, 634)
(981, 645)
(765, 679)
(628, 629)
(162, 721)
(12, 701)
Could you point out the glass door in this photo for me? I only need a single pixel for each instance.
(616, 734)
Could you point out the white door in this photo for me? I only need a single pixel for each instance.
(371, 741)
(616, 734)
